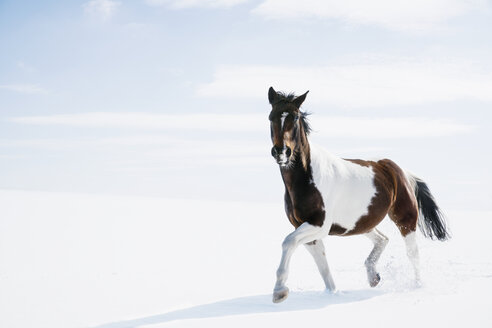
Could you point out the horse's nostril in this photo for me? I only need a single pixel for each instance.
(288, 152)
(274, 152)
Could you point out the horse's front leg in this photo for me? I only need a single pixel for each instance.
(317, 250)
(305, 233)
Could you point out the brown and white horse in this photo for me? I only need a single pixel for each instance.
(328, 195)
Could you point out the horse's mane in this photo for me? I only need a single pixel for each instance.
(287, 97)
(305, 123)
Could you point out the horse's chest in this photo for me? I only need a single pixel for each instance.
(304, 203)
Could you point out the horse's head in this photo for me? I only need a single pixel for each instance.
(287, 125)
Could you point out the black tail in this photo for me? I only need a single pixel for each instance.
(431, 220)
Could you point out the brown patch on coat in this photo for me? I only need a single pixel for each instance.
(303, 147)
(404, 212)
(303, 201)
(337, 230)
(394, 196)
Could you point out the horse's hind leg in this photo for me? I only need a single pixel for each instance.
(317, 250)
(413, 253)
(406, 221)
(380, 242)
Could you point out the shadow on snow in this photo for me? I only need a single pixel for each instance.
(297, 301)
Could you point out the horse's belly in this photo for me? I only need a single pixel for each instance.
(346, 209)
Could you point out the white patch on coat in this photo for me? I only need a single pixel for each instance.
(282, 119)
(346, 188)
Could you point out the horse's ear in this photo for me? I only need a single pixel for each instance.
(299, 100)
(272, 95)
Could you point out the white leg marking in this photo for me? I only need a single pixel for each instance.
(380, 242)
(317, 250)
(413, 253)
(305, 233)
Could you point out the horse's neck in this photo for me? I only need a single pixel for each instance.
(300, 171)
(311, 160)
(316, 164)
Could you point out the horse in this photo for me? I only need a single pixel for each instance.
(329, 195)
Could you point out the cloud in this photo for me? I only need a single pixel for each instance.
(25, 67)
(101, 9)
(417, 15)
(387, 127)
(134, 120)
(324, 126)
(373, 84)
(24, 88)
(141, 142)
(179, 4)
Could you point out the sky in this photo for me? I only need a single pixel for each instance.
(168, 98)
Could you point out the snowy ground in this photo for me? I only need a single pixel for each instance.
(72, 260)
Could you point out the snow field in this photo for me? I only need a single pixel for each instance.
(74, 260)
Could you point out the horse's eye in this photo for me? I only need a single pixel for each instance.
(296, 118)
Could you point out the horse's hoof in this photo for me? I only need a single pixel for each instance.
(331, 291)
(280, 295)
(374, 281)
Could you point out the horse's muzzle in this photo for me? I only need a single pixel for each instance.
(281, 154)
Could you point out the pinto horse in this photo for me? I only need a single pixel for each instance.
(328, 195)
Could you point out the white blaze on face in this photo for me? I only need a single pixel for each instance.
(283, 158)
(282, 120)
